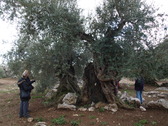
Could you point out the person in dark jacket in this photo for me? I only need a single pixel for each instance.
(139, 87)
(25, 85)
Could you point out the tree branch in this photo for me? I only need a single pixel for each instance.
(87, 37)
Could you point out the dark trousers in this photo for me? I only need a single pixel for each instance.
(24, 108)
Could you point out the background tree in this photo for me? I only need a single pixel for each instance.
(48, 44)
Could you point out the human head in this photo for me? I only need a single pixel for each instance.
(25, 73)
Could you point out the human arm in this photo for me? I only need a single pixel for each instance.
(26, 86)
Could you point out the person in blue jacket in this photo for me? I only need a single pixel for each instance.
(139, 87)
(25, 86)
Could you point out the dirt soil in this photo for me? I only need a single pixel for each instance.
(9, 109)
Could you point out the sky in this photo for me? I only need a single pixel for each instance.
(8, 31)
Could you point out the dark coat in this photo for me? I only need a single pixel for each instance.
(26, 87)
(139, 84)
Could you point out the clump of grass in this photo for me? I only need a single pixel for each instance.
(81, 115)
(92, 117)
(153, 123)
(141, 122)
(35, 97)
(39, 119)
(104, 123)
(101, 109)
(92, 123)
(59, 121)
(75, 123)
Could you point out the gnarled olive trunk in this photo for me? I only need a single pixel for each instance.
(68, 83)
(97, 87)
(92, 91)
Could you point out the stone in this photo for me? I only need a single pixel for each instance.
(97, 120)
(152, 93)
(76, 115)
(124, 97)
(40, 124)
(70, 99)
(82, 109)
(92, 104)
(113, 107)
(66, 106)
(100, 104)
(142, 108)
(134, 101)
(162, 89)
(30, 119)
(161, 103)
(119, 94)
(91, 109)
(52, 92)
(48, 95)
(161, 96)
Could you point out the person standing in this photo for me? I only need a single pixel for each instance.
(25, 86)
(139, 87)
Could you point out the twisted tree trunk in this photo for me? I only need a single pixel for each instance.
(100, 87)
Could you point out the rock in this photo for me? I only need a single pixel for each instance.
(52, 92)
(76, 115)
(93, 104)
(48, 95)
(134, 101)
(100, 104)
(40, 124)
(152, 93)
(162, 89)
(30, 119)
(161, 103)
(124, 97)
(142, 108)
(70, 99)
(82, 109)
(91, 109)
(161, 96)
(66, 106)
(97, 120)
(111, 107)
(51, 109)
(119, 94)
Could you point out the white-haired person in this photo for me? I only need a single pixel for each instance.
(25, 85)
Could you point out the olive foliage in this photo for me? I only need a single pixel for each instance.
(53, 38)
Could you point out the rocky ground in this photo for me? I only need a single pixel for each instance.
(9, 108)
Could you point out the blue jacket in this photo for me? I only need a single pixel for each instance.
(26, 87)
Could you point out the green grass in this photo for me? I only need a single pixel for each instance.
(92, 123)
(39, 119)
(153, 123)
(103, 123)
(101, 109)
(59, 121)
(81, 115)
(35, 97)
(130, 92)
(92, 117)
(141, 122)
(75, 123)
